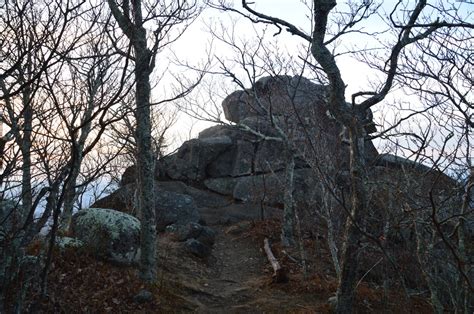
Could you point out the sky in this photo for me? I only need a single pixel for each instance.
(358, 76)
(194, 45)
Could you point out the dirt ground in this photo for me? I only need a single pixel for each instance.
(236, 278)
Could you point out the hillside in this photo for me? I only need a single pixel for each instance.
(236, 277)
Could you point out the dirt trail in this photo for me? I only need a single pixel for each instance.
(234, 271)
(236, 278)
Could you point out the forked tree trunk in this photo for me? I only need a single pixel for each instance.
(77, 150)
(348, 118)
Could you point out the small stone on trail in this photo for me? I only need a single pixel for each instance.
(143, 296)
(197, 248)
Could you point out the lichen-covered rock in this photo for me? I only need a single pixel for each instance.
(64, 243)
(109, 234)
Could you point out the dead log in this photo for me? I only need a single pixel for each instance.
(279, 273)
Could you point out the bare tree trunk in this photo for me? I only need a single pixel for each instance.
(350, 252)
(279, 273)
(464, 297)
(145, 159)
(144, 64)
(287, 234)
(70, 195)
(26, 190)
(331, 233)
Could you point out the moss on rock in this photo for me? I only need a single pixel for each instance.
(109, 234)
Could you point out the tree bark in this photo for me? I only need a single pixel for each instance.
(145, 159)
(26, 190)
(136, 33)
(287, 234)
(351, 249)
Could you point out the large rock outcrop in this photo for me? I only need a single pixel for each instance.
(241, 161)
(245, 162)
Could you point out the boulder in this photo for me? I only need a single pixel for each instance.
(236, 161)
(269, 157)
(224, 186)
(267, 187)
(109, 234)
(232, 131)
(282, 95)
(204, 234)
(174, 208)
(202, 198)
(64, 243)
(241, 165)
(193, 157)
(197, 248)
(123, 200)
(130, 174)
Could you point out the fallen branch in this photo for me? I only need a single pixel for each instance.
(279, 273)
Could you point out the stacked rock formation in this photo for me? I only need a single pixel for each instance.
(246, 160)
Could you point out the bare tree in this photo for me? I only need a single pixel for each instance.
(132, 18)
(440, 72)
(32, 41)
(411, 26)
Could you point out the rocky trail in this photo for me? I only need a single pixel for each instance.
(236, 278)
(233, 268)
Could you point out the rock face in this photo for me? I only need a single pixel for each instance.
(245, 161)
(170, 207)
(274, 94)
(109, 234)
